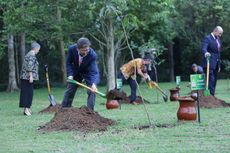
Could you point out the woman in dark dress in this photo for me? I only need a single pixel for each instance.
(29, 74)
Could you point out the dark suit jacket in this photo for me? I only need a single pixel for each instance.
(88, 68)
(210, 45)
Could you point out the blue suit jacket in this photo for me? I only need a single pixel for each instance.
(210, 45)
(88, 68)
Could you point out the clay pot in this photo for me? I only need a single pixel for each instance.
(112, 104)
(174, 94)
(187, 109)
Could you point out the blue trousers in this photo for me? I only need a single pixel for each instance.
(70, 93)
(132, 84)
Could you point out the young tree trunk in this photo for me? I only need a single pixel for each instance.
(22, 44)
(61, 49)
(63, 64)
(12, 85)
(22, 38)
(171, 61)
(16, 51)
(110, 58)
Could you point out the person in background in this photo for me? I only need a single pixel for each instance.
(28, 75)
(81, 65)
(197, 69)
(211, 47)
(128, 72)
(151, 67)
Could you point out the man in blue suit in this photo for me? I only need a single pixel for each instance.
(81, 65)
(211, 47)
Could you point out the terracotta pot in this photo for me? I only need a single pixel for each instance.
(112, 104)
(174, 94)
(187, 109)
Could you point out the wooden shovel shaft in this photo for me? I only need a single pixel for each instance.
(51, 97)
(153, 84)
(48, 83)
(84, 86)
(207, 75)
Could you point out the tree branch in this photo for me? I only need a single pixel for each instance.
(97, 39)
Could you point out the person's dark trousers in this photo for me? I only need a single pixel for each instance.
(91, 99)
(70, 93)
(212, 81)
(132, 84)
(26, 94)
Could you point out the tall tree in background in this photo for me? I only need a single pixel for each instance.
(142, 20)
(8, 8)
(110, 34)
(12, 84)
(61, 47)
(22, 44)
(156, 30)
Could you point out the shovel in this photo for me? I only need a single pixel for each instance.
(84, 86)
(153, 84)
(50, 97)
(206, 91)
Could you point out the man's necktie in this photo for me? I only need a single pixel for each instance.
(80, 60)
(218, 44)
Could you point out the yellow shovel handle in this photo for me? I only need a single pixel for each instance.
(84, 86)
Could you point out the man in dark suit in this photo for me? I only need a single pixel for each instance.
(81, 65)
(211, 47)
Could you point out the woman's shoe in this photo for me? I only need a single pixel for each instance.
(27, 112)
(30, 111)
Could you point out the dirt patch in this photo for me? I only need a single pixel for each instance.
(211, 101)
(51, 109)
(80, 119)
(122, 97)
(154, 126)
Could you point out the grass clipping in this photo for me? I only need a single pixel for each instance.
(80, 119)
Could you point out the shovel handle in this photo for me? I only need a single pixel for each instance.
(84, 86)
(47, 78)
(153, 84)
(207, 75)
(48, 83)
(46, 68)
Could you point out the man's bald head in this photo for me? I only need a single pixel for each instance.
(218, 31)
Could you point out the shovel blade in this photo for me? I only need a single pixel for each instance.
(206, 92)
(52, 100)
(165, 97)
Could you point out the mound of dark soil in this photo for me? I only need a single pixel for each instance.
(122, 97)
(51, 109)
(211, 101)
(80, 119)
(116, 95)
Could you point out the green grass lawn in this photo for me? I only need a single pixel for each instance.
(18, 133)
